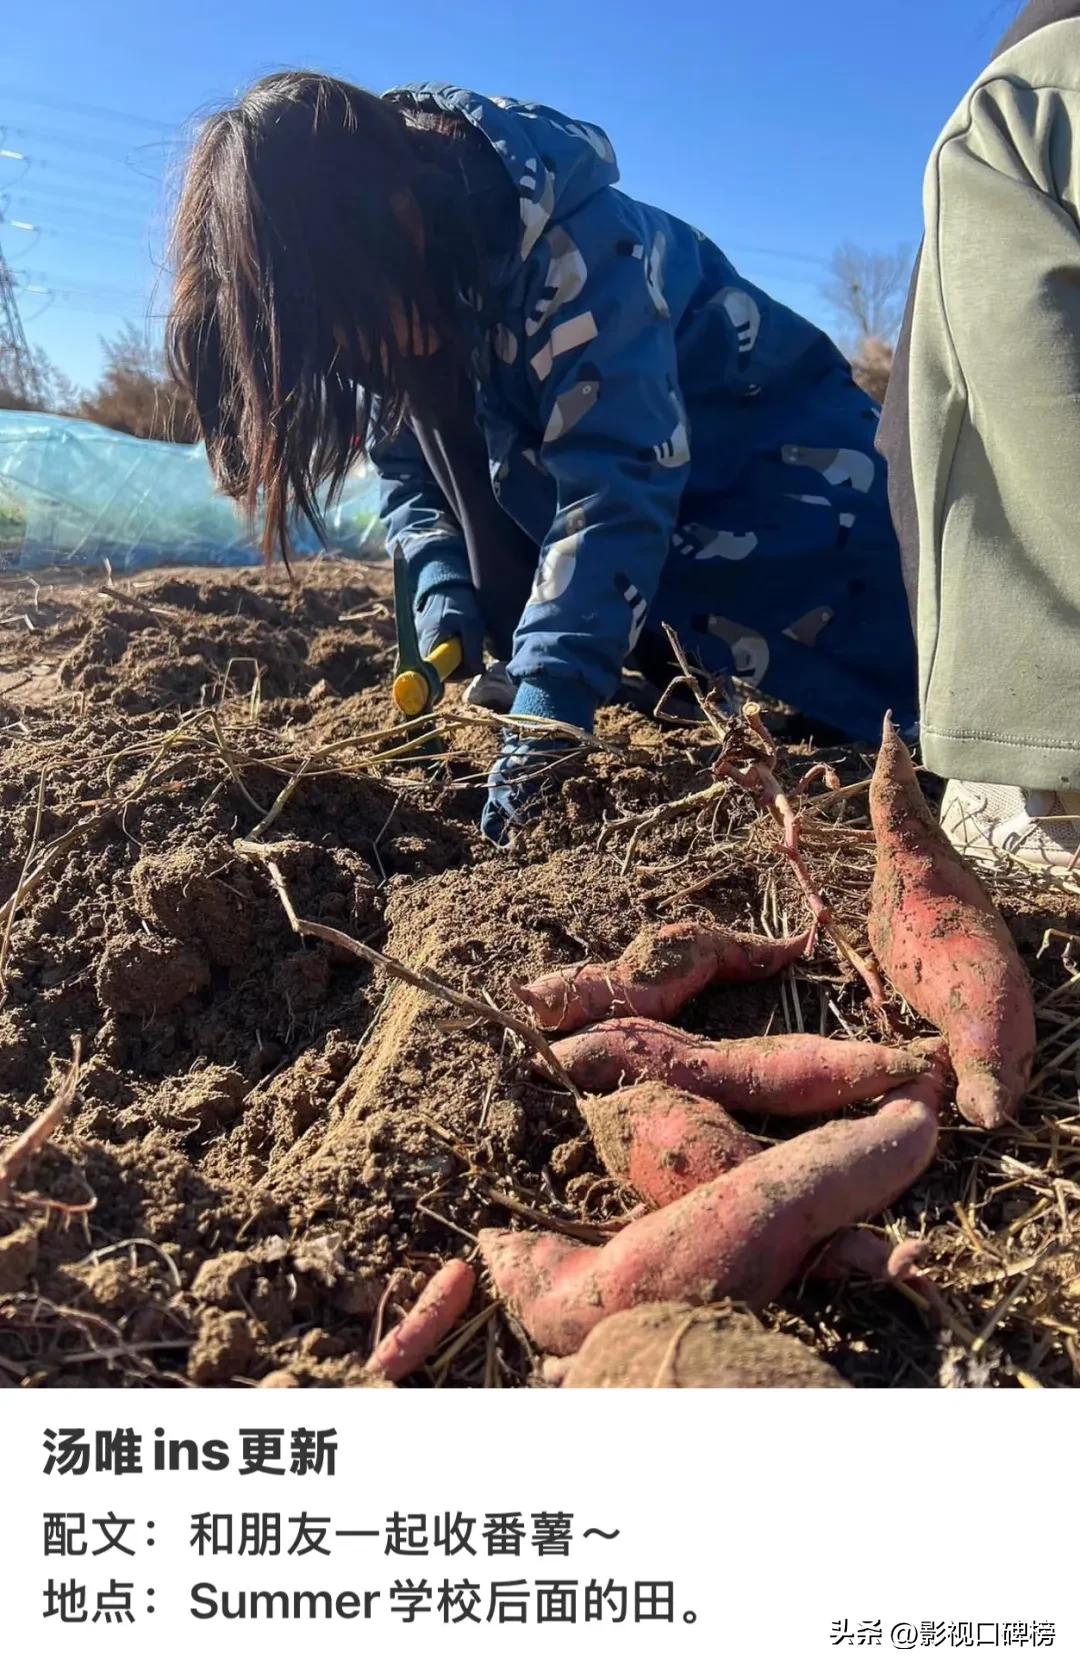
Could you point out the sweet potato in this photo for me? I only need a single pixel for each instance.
(659, 972)
(663, 1142)
(795, 1074)
(859, 1252)
(744, 1236)
(689, 1346)
(412, 1341)
(944, 946)
(863, 1253)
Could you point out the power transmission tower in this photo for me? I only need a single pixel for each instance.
(16, 361)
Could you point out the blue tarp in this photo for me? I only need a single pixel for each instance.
(73, 493)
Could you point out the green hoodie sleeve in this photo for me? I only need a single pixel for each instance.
(995, 428)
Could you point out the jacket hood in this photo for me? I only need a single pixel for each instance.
(1038, 14)
(554, 162)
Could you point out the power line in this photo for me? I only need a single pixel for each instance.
(96, 238)
(125, 182)
(112, 152)
(18, 96)
(84, 218)
(779, 254)
(124, 159)
(67, 194)
(73, 297)
(25, 279)
(58, 304)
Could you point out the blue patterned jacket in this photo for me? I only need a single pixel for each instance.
(679, 445)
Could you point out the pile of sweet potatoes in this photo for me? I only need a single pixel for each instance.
(728, 1217)
(743, 1236)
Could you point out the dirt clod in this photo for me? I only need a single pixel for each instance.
(18, 1257)
(201, 897)
(225, 1280)
(680, 1346)
(142, 976)
(223, 1349)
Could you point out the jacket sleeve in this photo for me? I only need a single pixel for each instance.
(996, 440)
(415, 515)
(1009, 254)
(613, 437)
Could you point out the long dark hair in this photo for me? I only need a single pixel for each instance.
(309, 223)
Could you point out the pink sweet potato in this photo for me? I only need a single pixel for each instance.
(858, 1252)
(944, 946)
(864, 1253)
(795, 1074)
(659, 972)
(663, 1142)
(412, 1341)
(744, 1236)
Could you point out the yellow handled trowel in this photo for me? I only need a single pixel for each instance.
(418, 688)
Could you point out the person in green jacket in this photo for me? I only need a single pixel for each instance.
(981, 429)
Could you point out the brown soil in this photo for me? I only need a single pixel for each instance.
(282, 1143)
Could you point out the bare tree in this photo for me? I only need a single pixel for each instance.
(867, 290)
(135, 393)
(54, 393)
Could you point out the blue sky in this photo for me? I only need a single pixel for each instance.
(782, 129)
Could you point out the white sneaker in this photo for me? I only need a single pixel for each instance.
(1036, 827)
(492, 689)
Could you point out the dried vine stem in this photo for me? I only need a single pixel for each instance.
(19, 1152)
(753, 771)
